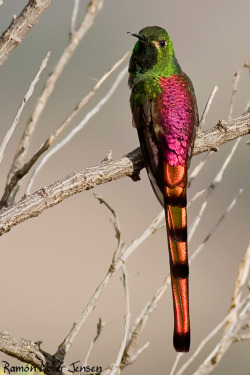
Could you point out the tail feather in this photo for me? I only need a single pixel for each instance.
(181, 338)
(175, 181)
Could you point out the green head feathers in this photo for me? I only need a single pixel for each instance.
(153, 55)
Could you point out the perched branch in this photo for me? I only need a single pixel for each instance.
(223, 132)
(35, 204)
(20, 25)
(129, 165)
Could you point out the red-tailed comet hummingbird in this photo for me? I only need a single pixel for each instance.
(165, 115)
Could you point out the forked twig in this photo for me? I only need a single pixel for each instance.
(114, 266)
(93, 8)
(19, 174)
(76, 129)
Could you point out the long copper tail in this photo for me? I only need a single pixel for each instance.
(175, 181)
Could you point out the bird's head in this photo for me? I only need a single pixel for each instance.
(152, 50)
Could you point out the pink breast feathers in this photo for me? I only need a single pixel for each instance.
(177, 118)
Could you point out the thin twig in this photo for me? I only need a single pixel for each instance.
(130, 355)
(236, 80)
(115, 266)
(116, 366)
(73, 18)
(227, 340)
(231, 318)
(116, 225)
(99, 329)
(24, 101)
(196, 196)
(76, 130)
(212, 334)
(19, 174)
(177, 360)
(217, 224)
(207, 108)
(212, 187)
(199, 167)
(20, 25)
(241, 279)
(243, 272)
(93, 8)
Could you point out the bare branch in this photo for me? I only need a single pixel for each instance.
(26, 351)
(218, 222)
(129, 165)
(212, 186)
(20, 25)
(33, 205)
(30, 352)
(130, 355)
(234, 322)
(73, 18)
(199, 167)
(100, 326)
(242, 305)
(115, 223)
(207, 107)
(115, 266)
(236, 80)
(223, 132)
(19, 174)
(76, 129)
(93, 8)
(116, 366)
(25, 99)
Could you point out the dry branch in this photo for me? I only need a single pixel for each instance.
(20, 25)
(27, 351)
(223, 132)
(20, 173)
(129, 165)
(93, 9)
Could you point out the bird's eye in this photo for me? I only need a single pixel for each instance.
(162, 43)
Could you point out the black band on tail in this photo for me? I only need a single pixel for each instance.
(180, 270)
(181, 342)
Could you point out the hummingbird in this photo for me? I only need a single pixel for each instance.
(165, 114)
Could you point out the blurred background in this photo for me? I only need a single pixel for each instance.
(52, 264)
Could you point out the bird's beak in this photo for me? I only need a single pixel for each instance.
(139, 36)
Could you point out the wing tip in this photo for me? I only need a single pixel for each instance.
(181, 342)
